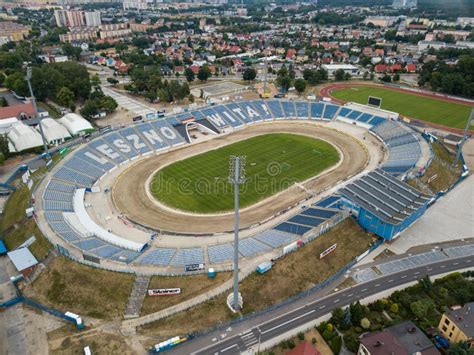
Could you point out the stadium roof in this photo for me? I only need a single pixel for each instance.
(53, 131)
(75, 124)
(385, 196)
(24, 137)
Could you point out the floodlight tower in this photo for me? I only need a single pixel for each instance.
(236, 177)
(33, 100)
(464, 138)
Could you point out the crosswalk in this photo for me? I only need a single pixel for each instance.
(250, 338)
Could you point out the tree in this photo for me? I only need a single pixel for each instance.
(188, 72)
(339, 75)
(285, 82)
(2, 79)
(65, 97)
(108, 104)
(366, 75)
(337, 316)
(357, 312)
(386, 78)
(249, 74)
(3, 102)
(204, 73)
(4, 150)
(396, 77)
(421, 307)
(347, 76)
(112, 81)
(461, 348)
(300, 85)
(95, 83)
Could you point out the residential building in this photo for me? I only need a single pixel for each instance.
(135, 5)
(402, 339)
(92, 18)
(457, 325)
(404, 4)
(13, 31)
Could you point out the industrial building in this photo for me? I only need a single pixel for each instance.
(384, 205)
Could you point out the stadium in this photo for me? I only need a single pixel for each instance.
(132, 199)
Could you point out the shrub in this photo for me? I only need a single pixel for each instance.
(291, 343)
(365, 323)
(358, 329)
(336, 345)
(394, 308)
(327, 335)
(351, 342)
(301, 336)
(313, 340)
(329, 327)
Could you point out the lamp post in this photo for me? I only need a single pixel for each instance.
(236, 177)
(33, 100)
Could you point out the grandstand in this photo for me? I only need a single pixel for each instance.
(383, 204)
(66, 188)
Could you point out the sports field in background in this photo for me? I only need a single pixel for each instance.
(273, 163)
(428, 109)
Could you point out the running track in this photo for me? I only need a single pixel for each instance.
(327, 92)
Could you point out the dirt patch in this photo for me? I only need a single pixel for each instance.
(191, 286)
(290, 275)
(98, 342)
(69, 286)
(131, 199)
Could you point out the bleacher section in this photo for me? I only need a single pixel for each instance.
(404, 150)
(90, 162)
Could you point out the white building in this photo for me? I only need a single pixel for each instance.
(135, 4)
(75, 124)
(92, 18)
(24, 137)
(54, 133)
(347, 68)
(404, 4)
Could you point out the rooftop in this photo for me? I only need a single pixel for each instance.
(385, 196)
(464, 318)
(22, 258)
(401, 339)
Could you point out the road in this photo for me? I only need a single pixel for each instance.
(248, 334)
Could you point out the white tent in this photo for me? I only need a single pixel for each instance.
(24, 137)
(75, 124)
(53, 131)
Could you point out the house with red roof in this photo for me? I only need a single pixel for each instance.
(410, 68)
(20, 111)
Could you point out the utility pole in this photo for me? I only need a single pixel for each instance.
(464, 138)
(236, 177)
(33, 100)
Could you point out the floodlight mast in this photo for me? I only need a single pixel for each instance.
(33, 100)
(464, 139)
(236, 177)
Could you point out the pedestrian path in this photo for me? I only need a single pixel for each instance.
(135, 301)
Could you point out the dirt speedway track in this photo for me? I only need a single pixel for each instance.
(131, 199)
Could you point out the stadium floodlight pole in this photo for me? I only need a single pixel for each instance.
(33, 100)
(236, 177)
(464, 138)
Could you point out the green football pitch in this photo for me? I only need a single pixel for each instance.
(274, 162)
(419, 107)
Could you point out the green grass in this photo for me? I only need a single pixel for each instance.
(274, 162)
(423, 108)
